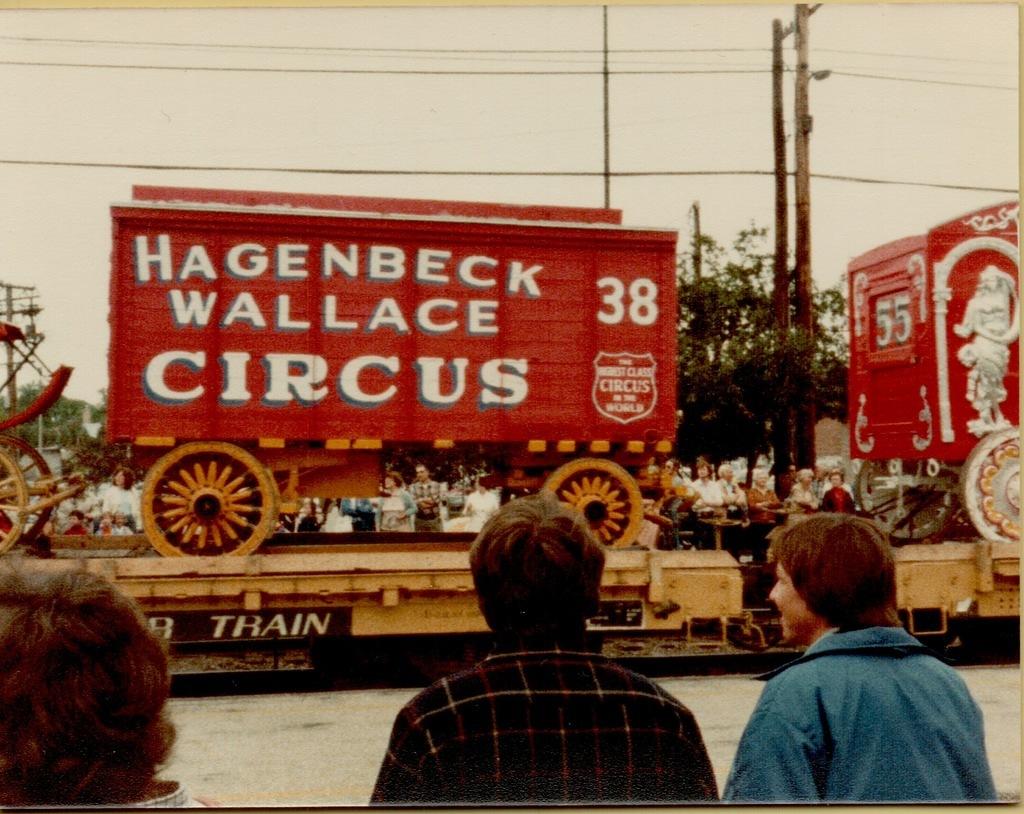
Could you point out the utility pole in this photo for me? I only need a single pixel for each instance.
(804, 312)
(12, 383)
(782, 420)
(697, 249)
(607, 120)
(20, 311)
(780, 297)
(802, 126)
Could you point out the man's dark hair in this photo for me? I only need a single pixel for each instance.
(537, 568)
(842, 567)
(83, 683)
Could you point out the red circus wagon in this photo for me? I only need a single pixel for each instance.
(934, 377)
(267, 347)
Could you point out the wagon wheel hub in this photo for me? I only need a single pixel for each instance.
(594, 509)
(207, 504)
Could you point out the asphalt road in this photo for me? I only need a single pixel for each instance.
(324, 749)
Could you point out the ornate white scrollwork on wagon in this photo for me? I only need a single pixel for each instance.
(941, 295)
(925, 416)
(987, 223)
(992, 323)
(918, 276)
(863, 444)
(860, 284)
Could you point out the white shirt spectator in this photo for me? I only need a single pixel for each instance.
(710, 494)
(479, 506)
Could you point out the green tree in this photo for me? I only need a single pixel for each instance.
(63, 426)
(734, 367)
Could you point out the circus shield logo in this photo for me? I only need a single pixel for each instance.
(624, 386)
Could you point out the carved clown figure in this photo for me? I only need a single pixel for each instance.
(992, 317)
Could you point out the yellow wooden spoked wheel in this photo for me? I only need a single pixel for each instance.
(13, 500)
(34, 470)
(208, 499)
(605, 494)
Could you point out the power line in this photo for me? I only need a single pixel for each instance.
(922, 81)
(453, 55)
(362, 50)
(492, 173)
(913, 56)
(376, 71)
(447, 72)
(389, 50)
(930, 185)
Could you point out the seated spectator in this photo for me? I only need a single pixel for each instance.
(672, 477)
(83, 686)
(105, 525)
(480, 505)
(801, 498)
(119, 526)
(761, 499)
(733, 499)
(837, 497)
(820, 482)
(122, 496)
(396, 510)
(76, 523)
(542, 720)
(761, 505)
(867, 714)
(783, 479)
(308, 520)
(710, 499)
(362, 512)
(709, 505)
(428, 495)
(678, 497)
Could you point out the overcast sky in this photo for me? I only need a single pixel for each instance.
(919, 119)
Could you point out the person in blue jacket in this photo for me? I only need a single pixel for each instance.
(867, 713)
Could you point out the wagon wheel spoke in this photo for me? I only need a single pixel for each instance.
(208, 498)
(186, 478)
(224, 475)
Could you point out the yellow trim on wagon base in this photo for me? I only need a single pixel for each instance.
(154, 441)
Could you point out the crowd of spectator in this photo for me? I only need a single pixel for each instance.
(748, 514)
(113, 508)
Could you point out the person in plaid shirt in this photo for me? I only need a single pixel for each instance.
(427, 494)
(542, 720)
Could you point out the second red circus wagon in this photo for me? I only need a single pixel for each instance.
(934, 376)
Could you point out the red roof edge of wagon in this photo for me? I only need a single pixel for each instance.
(994, 209)
(894, 248)
(387, 206)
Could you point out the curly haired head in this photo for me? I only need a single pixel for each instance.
(537, 568)
(83, 684)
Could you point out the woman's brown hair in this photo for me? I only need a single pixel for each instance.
(842, 567)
